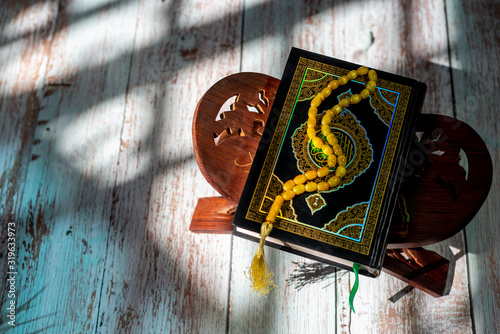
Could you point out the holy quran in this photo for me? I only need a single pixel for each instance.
(327, 171)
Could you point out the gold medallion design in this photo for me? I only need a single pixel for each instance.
(315, 202)
(353, 140)
(345, 141)
(349, 222)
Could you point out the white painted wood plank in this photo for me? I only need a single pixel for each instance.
(474, 59)
(64, 218)
(290, 308)
(24, 29)
(161, 278)
(396, 37)
(387, 304)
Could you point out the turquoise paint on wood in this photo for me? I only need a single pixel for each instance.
(22, 66)
(18, 105)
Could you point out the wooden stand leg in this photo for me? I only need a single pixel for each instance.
(213, 215)
(422, 269)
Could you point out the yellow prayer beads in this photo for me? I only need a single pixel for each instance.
(337, 109)
(352, 75)
(288, 195)
(299, 179)
(299, 189)
(343, 103)
(332, 160)
(311, 133)
(325, 130)
(355, 99)
(311, 186)
(317, 142)
(312, 112)
(331, 148)
(279, 200)
(316, 102)
(289, 185)
(334, 181)
(363, 70)
(327, 149)
(333, 84)
(323, 171)
(332, 139)
(364, 93)
(326, 91)
(322, 186)
(311, 175)
(337, 149)
(340, 171)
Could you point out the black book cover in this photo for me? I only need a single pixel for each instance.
(351, 221)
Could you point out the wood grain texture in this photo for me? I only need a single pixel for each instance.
(225, 139)
(213, 215)
(25, 31)
(64, 220)
(387, 304)
(23, 56)
(474, 48)
(421, 268)
(444, 198)
(303, 303)
(160, 277)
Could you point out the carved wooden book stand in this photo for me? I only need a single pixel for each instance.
(441, 198)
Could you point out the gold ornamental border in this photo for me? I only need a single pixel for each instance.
(256, 214)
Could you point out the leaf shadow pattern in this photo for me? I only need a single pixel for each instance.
(311, 273)
(5, 326)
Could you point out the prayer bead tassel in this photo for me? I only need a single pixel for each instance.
(259, 274)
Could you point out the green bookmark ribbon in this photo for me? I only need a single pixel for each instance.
(354, 289)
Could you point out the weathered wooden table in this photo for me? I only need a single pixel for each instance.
(98, 179)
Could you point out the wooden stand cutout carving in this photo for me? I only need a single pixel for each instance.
(437, 193)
